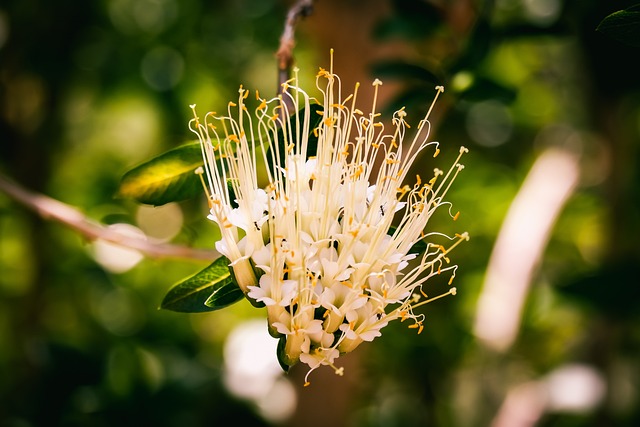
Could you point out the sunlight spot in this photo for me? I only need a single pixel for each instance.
(115, 258)
(252, 371)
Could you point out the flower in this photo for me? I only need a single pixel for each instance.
(328, 244)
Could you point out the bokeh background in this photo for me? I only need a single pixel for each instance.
(544, 330)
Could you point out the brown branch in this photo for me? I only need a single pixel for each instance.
(52, 209)
(300, 9)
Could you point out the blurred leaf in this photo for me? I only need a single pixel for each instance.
(519, 30)
(210, 289)
(484, 88)
(416, 99)
(478, 46)
(412, 20)
(166, 178)
(623, 26)
(612, 290)
(403, 71)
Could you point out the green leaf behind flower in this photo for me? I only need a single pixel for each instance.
(283, 359)
(208, 290)
(418, 247)
(623, 26)
(315, 119)
(404, 71)
(166, 178)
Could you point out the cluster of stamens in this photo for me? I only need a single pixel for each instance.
(331, 243)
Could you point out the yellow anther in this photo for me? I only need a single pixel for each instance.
(435, 154)
(455, 218)
(322, 73)
(329, 121)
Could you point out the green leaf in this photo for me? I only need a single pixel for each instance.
(623, 26)
(315, 119)
(418, 247)
(403, 71)
(210, 289)
(484, 88)
(478, 47)
(283, 359)
(166, 178)
(413, 20)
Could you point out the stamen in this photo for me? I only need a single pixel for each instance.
(200, 171)
(451, 291)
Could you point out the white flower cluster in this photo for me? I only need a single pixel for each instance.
(326, 245)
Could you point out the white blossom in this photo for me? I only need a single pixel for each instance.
(327, 241)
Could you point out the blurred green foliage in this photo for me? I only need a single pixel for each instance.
(89, 90)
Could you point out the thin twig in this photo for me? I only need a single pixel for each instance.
(300, 9)
(52, 209)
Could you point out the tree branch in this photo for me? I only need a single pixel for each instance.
(300, 9)
(52, 209)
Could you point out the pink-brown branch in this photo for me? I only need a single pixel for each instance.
(52, 209)
(299, 10)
